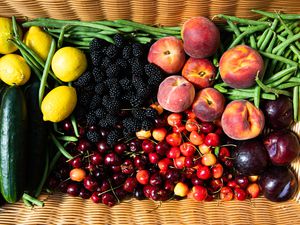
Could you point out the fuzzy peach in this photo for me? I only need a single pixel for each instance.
(168, 54)
(200, 72)
(201, 37)
(175, 94)
(241, 120)
(240, 65)
(209, 104)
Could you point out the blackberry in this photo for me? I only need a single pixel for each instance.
(127, 52)
(115, 91)
(112, 70)
(80, 113)
(112, 105)
(100, 113)
(125, 84)
(111, 82)
(152, 69)
(111, 51)
(127, 134)
(136, 101)
(89, 88)
(147, 124)
(128, 95)
(91, 119)
(136, 67)
(122, 63)
(84, 79)
(137, 81)
(106, 61)
(155, 79)
(113, 137)
(84, 98)
(143, 91)
(95, 102)
(93, 136)
(103, 123)
(137, 49)
(139, 113)
(98, 75)
(119, 40)
(96, 58)
(97, 44)
(111, 119)
(151, 113)
(99, 89)
(131, 124)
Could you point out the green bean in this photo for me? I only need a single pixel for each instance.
(280, 74)
(269, 35)
(287, 85)
(292, 47)
(145, 27)
(281, 80)
(271, 90)
(285, 28)
(244, 95)
(257, 92)
(67, 138)
(290, 33)
(234, 28)
(243, 21)
(220, 88)
(262, 38)
(127, 29)
(295, 79)
(253, 42)
(60, 147)
(296, 102)
(275, 15)
(75, 126)
(251, 30)
(281, 65)
(287, 42)
(46, 71)
(61, 37)
(279, 58)
(32, 200)
(143, 40)
(44, 177)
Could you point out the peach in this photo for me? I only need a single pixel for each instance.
(168, 54)
(201, 37)
(240, 65)
(209, 104)
(241, 120)
(200, 72)
(175, 94)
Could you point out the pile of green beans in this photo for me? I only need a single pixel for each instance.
(80, 33)
(276, 37)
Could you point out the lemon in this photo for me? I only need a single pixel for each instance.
(14, 69)
(59, 103)
(68, 63)
(39, 41)
(6, 33)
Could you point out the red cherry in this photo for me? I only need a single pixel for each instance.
(196, 138)
(203, 172)
(217, 170)
(190, 114)
(199, 193)
(174, 139)
(153, 157)
(173, 153)
(148, 146)
(179, 162)
(207, 127)
(240, 194)
(224, 153)
(226, 194)
(174, 119)
(192, 125)
(187, 149)
(253, 190)
(120, 148)
(212, 139)
(142, 176)
(179, 129)
(164, 164)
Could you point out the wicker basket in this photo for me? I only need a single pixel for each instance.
(62, 209)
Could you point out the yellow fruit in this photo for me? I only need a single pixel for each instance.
(59, 103)
(6, 33)
(68, 63)
(39, 41)
(14, 69)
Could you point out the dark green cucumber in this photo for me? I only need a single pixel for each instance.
(37, 139)
(13, 143)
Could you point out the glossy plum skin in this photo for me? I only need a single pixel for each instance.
(283, 147)
(278, 184)
(251, 157)
(279, 112)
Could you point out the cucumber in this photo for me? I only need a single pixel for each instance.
(13, 143)
(37, 139)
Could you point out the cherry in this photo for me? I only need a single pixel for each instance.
(192, 125)
(120, 148)
(162, 147)
(140, 161)
(81, 131)
(224, 153)
(207, 127)
(63, 186)
(116, 169)
(216, 184)
(135, 145)
(156, 180)
(179, 129)
(102, 147)
(179, 162)
(83, 145)
(172, 175)
(118, 179)
(97, 158)
(76, 162)
(148, 146)
(217, 170)
(242, 181)
(169, 185)
(199, 193)
(120, 193)
(130, 184)
(212, 139)
(96, 197)
(196, 138)
(142, 176)
(92, 128)
(208, 159)
(226, 194)
(187, 149)
(67, 126)
(189, 162)
(232, 184)
(112, 159)
(127, 167)
(203, 172)
(174, 119)
(204, 148)
(105, 186)
(159, 133)
(253, 190)
(90, 183)
(147, 190)
(240, 194)
(163, 194)
(174, 139)
(228, 163)
(190, 114)
(164, 164)
(73, 189)
(161, 121)
(109, 199)
(154, 157)
(85, 194)
(138, 193)
(181, 189)
(173, 153)
(103, 133)
(196, 180)
(154, 195)
(77, 174)
(99, 173)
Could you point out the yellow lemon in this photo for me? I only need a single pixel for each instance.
(14, 69)
(59, 103)
(68, 63)
(39, 41)
(6, 33)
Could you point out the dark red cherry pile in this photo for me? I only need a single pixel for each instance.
(183, 158)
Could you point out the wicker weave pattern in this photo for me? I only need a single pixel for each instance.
(163, 12)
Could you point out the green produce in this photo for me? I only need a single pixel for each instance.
(13, 143)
